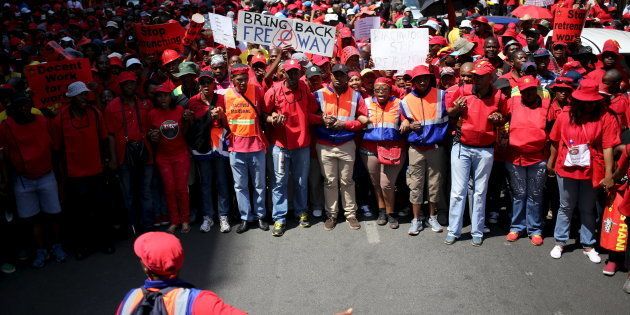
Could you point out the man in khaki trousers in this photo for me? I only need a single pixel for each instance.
(343, 114)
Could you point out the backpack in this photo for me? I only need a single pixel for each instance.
(152, 302)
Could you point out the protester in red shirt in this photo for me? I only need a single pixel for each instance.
(609, 59)
(583, 139)
(482, 30)
(126, 118)
(79, 132)
(518, 58)
(166, 123)
(619, 102)
(528, 116)
(25, 139)
(289, 108)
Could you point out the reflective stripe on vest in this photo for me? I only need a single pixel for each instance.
(344, 107)
(429, 110)
(240, 115)
(178, 301)
(387, 117)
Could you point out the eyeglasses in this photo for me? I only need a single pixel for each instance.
(381, 90)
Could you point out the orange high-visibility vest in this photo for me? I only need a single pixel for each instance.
(241, 116)
(384, 122)
(430, 110)
(344, 108)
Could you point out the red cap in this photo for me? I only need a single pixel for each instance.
(438, 40)
(260, 58)
(527, 82)
(292, 7)
(348, 52)
(345, 32)
(498, 28)
(169, 55)
(115, 61)
(510, 33)
(384, 80)
(483, 67)
(480, 19)
(420, 70)
(612, 46)
(320, 60)
(562, 82)
(126, 76)
(587, 91)
(239, 70)
(160, 252)
(166, 87)
(291, 64)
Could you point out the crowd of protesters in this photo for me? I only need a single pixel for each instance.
(499, 121)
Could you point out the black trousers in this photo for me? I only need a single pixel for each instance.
(89, 223)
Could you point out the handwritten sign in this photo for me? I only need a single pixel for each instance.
(399, 49)
(280, 32)
(154, 39)
(363, 26)
(568, 24)
(49, 81)
(222, 31)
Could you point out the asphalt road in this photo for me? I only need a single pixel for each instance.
(375, 270)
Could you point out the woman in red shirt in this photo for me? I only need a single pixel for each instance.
(166, 122)
(583, 139)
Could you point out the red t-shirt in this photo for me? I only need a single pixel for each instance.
(620, 105)
(29, 146)
(134, 131)
(601, 134)
(296, 106)
(169, 123)
(527, 127)
(80, 138)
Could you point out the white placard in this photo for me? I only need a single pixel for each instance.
(363, 26)
(280, 32)
(222, 29)
(399, 49)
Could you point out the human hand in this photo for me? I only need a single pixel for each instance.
(415, 126)
(404, 126)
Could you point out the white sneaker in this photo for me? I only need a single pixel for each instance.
(435, 225)
(366, 211)
(206, 225)
(593, 255)
(224, 225)
(317, 213)
(556, 252)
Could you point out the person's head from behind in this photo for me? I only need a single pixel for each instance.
(161, 255)
(20, 109)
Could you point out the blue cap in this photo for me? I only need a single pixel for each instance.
(528, 64)
(541, 52)
(306, 3)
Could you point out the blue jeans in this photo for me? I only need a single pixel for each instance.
(246, 166)
(527, 183)
(136, 181)
(467, 161)
(211, 168)
(580, 193)
(296, 162)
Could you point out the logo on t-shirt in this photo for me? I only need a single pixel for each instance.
(169, 129)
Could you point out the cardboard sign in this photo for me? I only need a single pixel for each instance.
(154, 39)
(54, 52)
(363, 26)
(279, 32)
(49, 81)
(399, 49)
(568, 24)
(222, 30)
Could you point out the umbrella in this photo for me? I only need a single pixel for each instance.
(533, 12)
(539, 3)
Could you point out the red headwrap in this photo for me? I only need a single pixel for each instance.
(384, 80)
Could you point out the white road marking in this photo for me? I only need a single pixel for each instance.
(372, 233)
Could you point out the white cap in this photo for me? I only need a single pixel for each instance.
(67, 39)
(114, 54)
(407, 9)
(331, 17)
(112, 24)
(330, 11)
(432, 24)
(465, 23)
(132, 61)
(76, 88)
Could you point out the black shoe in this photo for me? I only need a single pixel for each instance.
(278, 229)
(393, 222)
(263, 225)
(382, 218)
(242, 227)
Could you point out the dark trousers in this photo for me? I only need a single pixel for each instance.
(89, 222)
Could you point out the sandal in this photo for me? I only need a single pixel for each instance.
(171, 229)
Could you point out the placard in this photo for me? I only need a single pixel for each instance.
(280, 32)
(363, 26)
(49, 81)
(222, 29)
(568, 24)
(154, 39)
(399, 49)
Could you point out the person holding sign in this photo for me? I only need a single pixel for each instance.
(343, 114)
(243, 110)
(290, 107)
(583, 139)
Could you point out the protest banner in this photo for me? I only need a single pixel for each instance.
(49, 81)
(280, 32)
(363, 26)
(222, 31)
(568, 24)
(194, 29)
(54, 52)
(399, 49)
(154, 39)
